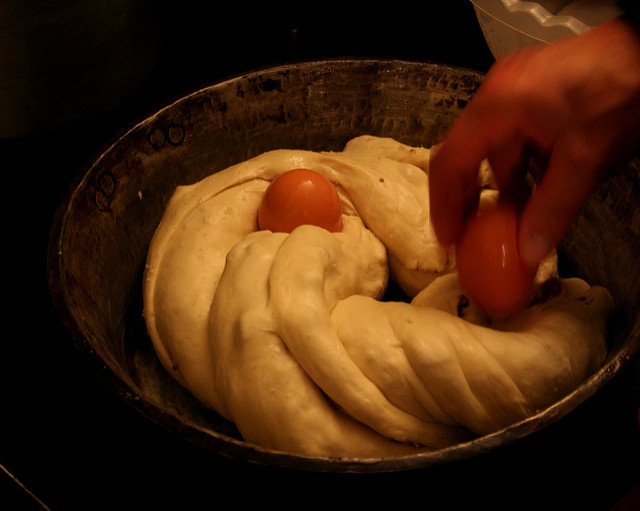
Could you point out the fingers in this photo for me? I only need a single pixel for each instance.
(453, 190)
(510, 165)
(482, 131)
(570, 177)
(557, 99)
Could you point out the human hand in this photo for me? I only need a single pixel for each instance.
(575, 103)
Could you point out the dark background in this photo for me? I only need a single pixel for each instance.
(74, 444)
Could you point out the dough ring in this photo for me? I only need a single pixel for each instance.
(287, 335)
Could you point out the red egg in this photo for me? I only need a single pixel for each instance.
(489, 264)
(298, 197)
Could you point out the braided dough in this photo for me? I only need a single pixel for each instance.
(287, 335)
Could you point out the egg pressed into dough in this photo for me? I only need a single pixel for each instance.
(288, 335)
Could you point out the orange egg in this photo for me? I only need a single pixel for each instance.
(298, 197)
(489, 264)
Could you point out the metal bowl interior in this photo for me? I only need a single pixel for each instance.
(101, 232)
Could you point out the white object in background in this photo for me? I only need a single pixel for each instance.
(591, 12)
(508, 25)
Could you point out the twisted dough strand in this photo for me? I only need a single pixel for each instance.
(286, 335)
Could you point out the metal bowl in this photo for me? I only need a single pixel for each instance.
(102, 229)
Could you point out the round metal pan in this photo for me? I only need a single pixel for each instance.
(102, 229)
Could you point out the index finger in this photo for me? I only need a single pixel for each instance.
(452, 192)
(482, 128)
